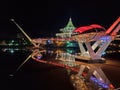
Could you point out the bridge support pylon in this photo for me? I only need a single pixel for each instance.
(36, 44)
(93, 48)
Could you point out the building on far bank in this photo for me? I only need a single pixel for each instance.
(67, 30)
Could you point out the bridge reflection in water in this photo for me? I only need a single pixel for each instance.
(83, 75)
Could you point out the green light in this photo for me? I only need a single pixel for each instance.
(69, 27)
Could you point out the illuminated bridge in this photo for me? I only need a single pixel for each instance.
(92, 44)
(94, 39)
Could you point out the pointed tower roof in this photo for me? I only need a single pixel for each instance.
(69, 27)
(70, 24)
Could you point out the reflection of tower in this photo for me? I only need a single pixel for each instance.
(66, 58)
(66, 31)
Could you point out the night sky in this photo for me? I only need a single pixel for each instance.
(42, 18)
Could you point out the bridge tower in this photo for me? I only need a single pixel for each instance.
(36, 44)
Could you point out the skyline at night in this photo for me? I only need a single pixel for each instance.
(44, 19)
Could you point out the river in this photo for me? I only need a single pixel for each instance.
(33, 75)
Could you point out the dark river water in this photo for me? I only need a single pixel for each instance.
(33, 75)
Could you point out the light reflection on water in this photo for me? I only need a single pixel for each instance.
(31, 74)
(48, 56)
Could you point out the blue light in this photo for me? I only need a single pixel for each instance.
(104, 38)
(99, 83)
(103, 53)
(39, 57)
(49, 41)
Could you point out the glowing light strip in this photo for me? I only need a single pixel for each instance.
(56, 64)
(112, 26)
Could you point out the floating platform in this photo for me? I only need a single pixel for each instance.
(89, 60)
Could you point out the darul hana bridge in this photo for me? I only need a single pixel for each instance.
(93, 41)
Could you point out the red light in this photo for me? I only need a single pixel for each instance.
(96, 26)
(83, 29)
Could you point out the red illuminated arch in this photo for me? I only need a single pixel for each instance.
(83, 29)
(96, 26)
(87, 28)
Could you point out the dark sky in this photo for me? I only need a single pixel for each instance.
(42, 18)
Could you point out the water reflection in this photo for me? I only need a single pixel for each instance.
(55, 61)
(82, 76)
(12, 50)
(87, 75)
